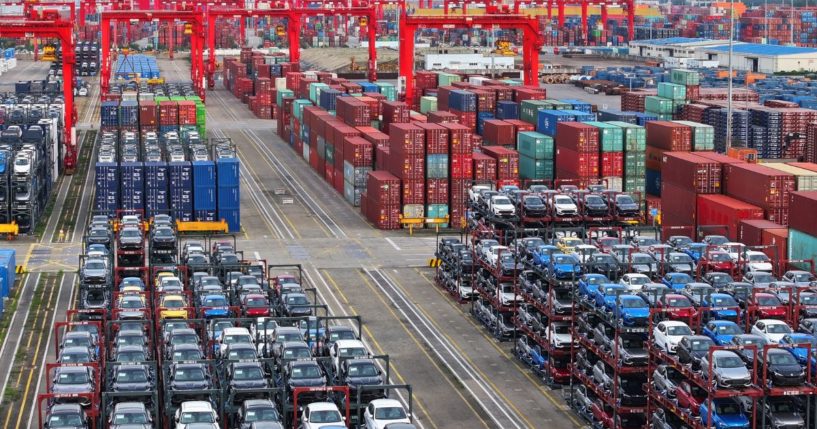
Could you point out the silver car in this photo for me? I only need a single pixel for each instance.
(728, 370)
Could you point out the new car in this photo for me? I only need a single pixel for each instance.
(726, 369)
(721, 331)
(773, 330)
(667, 334)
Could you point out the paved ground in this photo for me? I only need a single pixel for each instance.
(570, 92)
(461, 376)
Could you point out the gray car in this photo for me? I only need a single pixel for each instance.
(73, 380)
(130, 415)
(132, 378)
(781, 413)
(94, 270)
(728, 370)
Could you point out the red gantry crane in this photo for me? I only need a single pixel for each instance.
(409, 24)
(46, 23)
(192, 19)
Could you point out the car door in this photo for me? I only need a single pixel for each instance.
(660, 339)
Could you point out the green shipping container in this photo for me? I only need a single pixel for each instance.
(611, 137)
(202, 131)
(559, 105)
(280, 95)
(685, 77)
(672, 91)
(528, 110)
(315, 91)
(635, 164)
(535, 169)
(388, 90)
(428, 104)
(635, 184)
(437, 211)
(178, 98)
(535, 145)
(160, 99)
(801, 246)
(298, 108)
(446, 79)
(703, 135)
(635, 136)
(658, 104)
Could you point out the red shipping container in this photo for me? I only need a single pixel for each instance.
(442, 96)
(687, 169)
(759, 185)
(520, 126)
(669, 136)
(381, 158)
(476, 142)
(750, 231)
(612, 164)
(484, 167)
(803, 206)
(407, 139)
(436, 138)
(780, 216)
(383, 187)
(439, 117)
(375, 136)
(461, 166)
(522, 94)
(574, 165)
(168, 113)
(341, 133)
(507, 161)
(654, 158)
(329, 173)
(314, 160)
(437, 191)
(337, 180)
(678, 205)
(779, 238)
(358, 151)
(469, 119)
(353, 111)
(577, 137)
(486, 100)
(498, 132)
(406, 167)
(460, 138)
(725, 210)
(394, 112)
(653, 202)
(374, 107)
(413, 192)
(148, 114)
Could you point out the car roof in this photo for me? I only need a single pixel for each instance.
(349, 343)
(196, 406)
(322, 406)
(236, 331)
(129, 406)
(66, 407)
(386, 403)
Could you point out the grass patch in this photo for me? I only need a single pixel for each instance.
(11, 394)
(11, 308)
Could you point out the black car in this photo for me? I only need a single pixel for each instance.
(130, 238)
(303, 373)
(631, 390)
(532, 206)
(595, 206)
(188, 377)
(98, 235)
(625, 206)
(361, 372)
(256, 411)
(692, 348)
(63, 416)
(744, 340)
(295, 305)
(246, 375)
(163, 237)
(132, 378)
(603, 263)
(631, 350)
(782, 413)
(717, 279)
(781, 368)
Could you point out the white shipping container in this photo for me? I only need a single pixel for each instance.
(613, 183)
(280, 83)
(477, 80)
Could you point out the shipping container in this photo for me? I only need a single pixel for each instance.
(724, 210)
(805, 180)
(691, 171)
(750, 231)
(755, 184)
(8, 272)
(803, 207)
(669, 136)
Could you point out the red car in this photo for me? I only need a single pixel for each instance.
(602, 413)
(768, 306)
(719, 261)
(690, 396)
(677, 307)
(255, 305)
(560, 371)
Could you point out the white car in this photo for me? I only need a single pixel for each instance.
(382, 412)
(734, 250)
(772, 330)
(667, 334)
(564, 206)
(473, 193)
(757, 261)
(195, 412)
(585, 251)
(634, 282)
(170, 284)
(22, 163)
(233, 336)
(346, 349)
(558, 335)
(494, 253)
(83, 92)
(507, 296)
(321, 415)
(501, 206)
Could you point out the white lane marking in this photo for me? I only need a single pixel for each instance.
(393, 244)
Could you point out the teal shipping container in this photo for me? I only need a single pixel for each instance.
(611, 137)
(437, 166)
(635, 136)
(535, 169)
(437, 211)
(535, 145)
(801, 246)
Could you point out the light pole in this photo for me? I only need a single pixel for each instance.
(729, 91)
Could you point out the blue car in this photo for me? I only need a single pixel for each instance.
(608, 292)
(540, 257)
(721, 331)
(696, 251)
(726, 414)
(216, 306)
(802, 353)
(721, 306)
(631, 310)
(677, 281)
(589, 284)
(565, 267)
(311, 329)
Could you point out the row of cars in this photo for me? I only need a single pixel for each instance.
(127, 147)
(198, 337)
(598, 309)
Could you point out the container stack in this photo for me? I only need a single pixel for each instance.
(802, 237)
(536, 153)
(765, 187)
(132, 182)
(228, 192)
(156, 189)
(181, 190)
(204, 190)
(687, 177)
(577, 152)
(358, 157)
(380, 203)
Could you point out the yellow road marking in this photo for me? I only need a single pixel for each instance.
(559, 405)
(392, 366)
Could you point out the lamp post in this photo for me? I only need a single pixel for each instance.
(729, 91)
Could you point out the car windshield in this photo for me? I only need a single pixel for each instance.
(185, 339)
(69, 420)
(642, 259)
(256, 302)
(680, 280)
(729, 362)
(700, 345)
(763, 278)
(778, 328)
(756, 341)
(768, 300)
(130, 232)
(632, 343)
(724, 301)
(261, 415)
(297, 300)
(633, 303)
(131, 357)
(75, 357)
(363, 370)
(289, 336)
(758, 257)
(596, 280)
(73, 377)
(784, 358)
(564, 260)
(237, 338)
(297, 353)
(680, 259)
(248, 373)
(624, 199)
(638, 280)
(131, 303)
(352, 352)
(130, 418)
(501, 201)
(172, 303)
(533, 201)
(679, 330)
(562, 200)
(604, 259)
(216, 301)
(197, 417)
(808, 299)
(720, 257)
(803, 277)
(325, 416)
(187, 355)
(306, 371)
(561, 329)
(189, 374)
(95, 265)
(389, 413)
(729, 329)
(131, 376)
(163, 232)
(782, 407)
(342, 335)
(728, 407)
(594, 200)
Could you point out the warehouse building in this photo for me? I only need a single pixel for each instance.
(765, 58)
(673, 47)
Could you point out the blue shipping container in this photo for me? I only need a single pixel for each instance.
(181, 204)
(109, 113)
(463, 101)
(547, 120)
(204, 215)
(368, 87)
(229, 197)
(507, 110)
(328, 97)
(204, 198)
(204, 174)
(107, 188)
(227, 172)
(156, 175)
(232, 217)
(617, 115)
(128, 113)
(8, 271)
(181, 175)
(653, 185)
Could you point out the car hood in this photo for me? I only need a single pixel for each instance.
(636, 353)
(72, 388)
(95, 272)
(563, 338)
(249, 384)
(786, 370)
(364, 381)
(732, 420)
(734, 373)
(787, 419)
(190, 385)
(132, 387)
(131, 426)
(636, 312)
(307, 382)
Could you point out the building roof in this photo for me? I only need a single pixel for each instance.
(765, 50)
(672, 41)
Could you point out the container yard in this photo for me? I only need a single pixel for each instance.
(318, 214)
